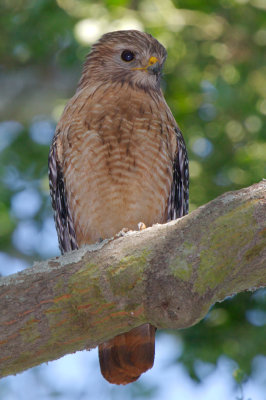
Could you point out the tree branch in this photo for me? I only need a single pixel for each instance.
(168, 275)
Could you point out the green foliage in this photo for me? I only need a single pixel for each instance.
(215, 84)
(226, 331)
(239, 375)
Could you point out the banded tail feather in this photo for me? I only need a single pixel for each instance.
(125, 357)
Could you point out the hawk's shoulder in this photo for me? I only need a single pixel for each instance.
(62, 215)
(179, 194)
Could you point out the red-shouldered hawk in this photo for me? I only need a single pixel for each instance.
(118, 158)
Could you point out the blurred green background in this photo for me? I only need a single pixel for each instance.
(215, 85)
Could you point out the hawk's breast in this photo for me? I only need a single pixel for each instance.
(119, 166)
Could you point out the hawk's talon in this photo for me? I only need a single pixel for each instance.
(141, 226)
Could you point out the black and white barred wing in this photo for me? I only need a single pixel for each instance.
(178, 199)
(62, 215)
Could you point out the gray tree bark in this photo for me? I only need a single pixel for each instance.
(168, 275)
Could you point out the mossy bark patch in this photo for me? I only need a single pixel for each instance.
(168, 275)
(128, 274)
(220, 247)
(179, 266)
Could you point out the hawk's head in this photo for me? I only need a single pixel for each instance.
(131, 57)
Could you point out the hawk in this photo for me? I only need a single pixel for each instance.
(118, 158)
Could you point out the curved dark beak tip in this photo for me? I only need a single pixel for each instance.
(154, 68)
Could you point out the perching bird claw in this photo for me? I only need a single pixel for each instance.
(141, 226)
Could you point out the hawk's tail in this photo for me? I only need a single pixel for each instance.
(125, 357)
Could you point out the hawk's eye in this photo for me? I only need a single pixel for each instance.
(127, 55)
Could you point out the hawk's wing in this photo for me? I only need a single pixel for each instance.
(178, 199)
(62, 215)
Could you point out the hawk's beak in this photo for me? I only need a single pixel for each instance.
(153, 66)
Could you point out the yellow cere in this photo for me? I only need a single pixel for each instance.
(152, 61)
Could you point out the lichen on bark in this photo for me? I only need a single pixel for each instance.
(168, 275)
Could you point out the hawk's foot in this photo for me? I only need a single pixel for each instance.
(141, 226)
